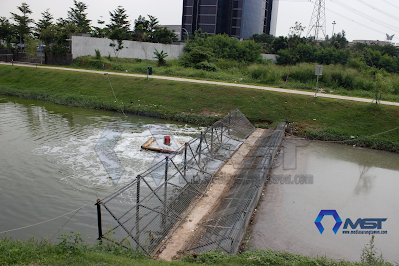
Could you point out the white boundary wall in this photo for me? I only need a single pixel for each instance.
(272, 57)
(82, 46)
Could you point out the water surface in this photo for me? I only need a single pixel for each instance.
(356, 182)
(49, 166)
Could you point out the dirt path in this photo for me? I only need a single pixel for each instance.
(332, 96)
(218, 188)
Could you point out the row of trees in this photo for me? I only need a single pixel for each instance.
(54, 33)
(200, 47)
(333, 50)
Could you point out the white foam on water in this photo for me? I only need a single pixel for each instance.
(78, 155)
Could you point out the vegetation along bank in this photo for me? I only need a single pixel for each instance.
(316, 118)
(71, 250)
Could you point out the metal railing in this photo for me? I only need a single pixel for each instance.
(225, 228)
(149, 208)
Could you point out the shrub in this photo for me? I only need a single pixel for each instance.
(284, 57)
(206, 66)
(161, 57)
(303, 74)
(395, 88)
(344, 80)
(369, 254)
(225, 47)
(362, 84)
(257, 71)
(98, 54)
(228, 64)
(357, 63)
(196, 55)
(95, 64)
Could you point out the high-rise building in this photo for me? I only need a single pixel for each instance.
(237, 18)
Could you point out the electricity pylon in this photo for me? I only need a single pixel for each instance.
(317, 23)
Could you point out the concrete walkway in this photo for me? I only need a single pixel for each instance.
(332, 96)
(180, 238)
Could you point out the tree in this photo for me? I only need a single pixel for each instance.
(140, 29)
(280, 43)
(338, 41)
(6, 30)
(117, 35)
(100, 32)
(31, 47)
(293, 41)
(266, 40)
(78, 17)
(144, 29)
(164, 35)
(44, 27)
(119, 19)
(46, 21)
(59, 35)
(262, 38)
(23, 21)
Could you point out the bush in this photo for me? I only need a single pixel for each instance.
(370, 256)
(98, 54)
(340, 79)
(161, 57)
(357, 63)
(395, 88)
(362, 84)
(258, 71)
(225, 47)
(95, 64)
(196, 55)
(228, 64)
(206, 66)
(303, 74)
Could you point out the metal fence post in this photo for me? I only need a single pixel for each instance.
(212, 139)
(221, 133)
(185, 159)
(100, 227)
(199, 151)
(166, 188)
(228, 130)
(138, 208)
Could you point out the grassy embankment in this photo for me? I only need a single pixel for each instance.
(71, 251)
(356, 81)
(317, 118)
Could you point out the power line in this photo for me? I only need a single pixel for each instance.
(379, 10)
(355, 21)
(390, 4)
(384, 24)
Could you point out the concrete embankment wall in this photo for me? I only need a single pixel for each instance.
(82, 46)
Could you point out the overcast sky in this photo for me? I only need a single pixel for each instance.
(361, 19)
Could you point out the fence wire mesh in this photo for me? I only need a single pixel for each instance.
(225, 228)
(146, 210)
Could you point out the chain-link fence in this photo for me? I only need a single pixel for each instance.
(225, 228)
(146, 210)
